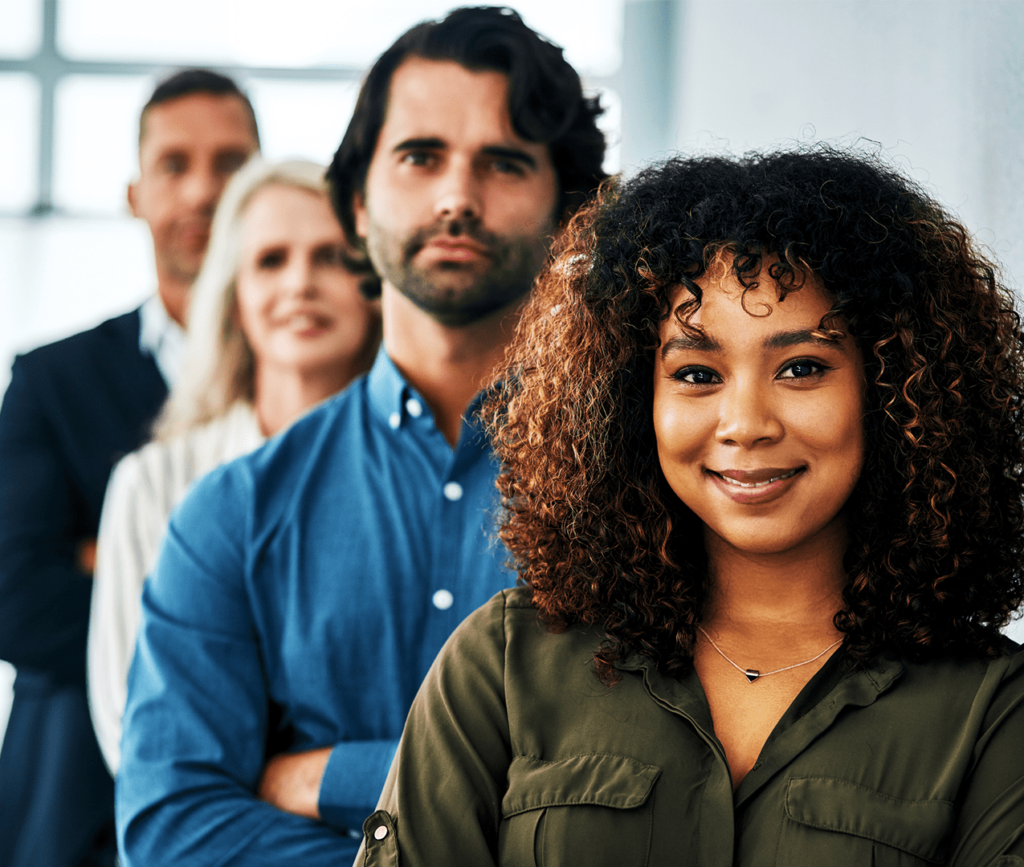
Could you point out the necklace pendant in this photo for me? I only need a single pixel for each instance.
(752, 674)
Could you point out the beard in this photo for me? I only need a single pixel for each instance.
(459, 293)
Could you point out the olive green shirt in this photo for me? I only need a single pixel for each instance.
(515, 754)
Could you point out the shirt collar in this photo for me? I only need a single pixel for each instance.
(388, 390)
(395, 401)
(162, 338)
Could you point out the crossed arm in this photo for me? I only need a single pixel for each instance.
(195, 785)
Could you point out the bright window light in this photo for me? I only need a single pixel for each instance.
(19, 143)
(97, 136)
(21, 27)
(306, 32)
(302, 119)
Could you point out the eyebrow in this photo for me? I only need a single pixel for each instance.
(413, 144)
(434, 143)
(779, 340)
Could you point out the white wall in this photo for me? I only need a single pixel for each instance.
(939, 85)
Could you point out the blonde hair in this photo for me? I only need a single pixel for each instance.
(219, 367)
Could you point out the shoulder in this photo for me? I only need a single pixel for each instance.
(316, 453)
(509, 625)
(228, 436)
(261, 480)
(117, 332)
(99, 376)
(978, 693)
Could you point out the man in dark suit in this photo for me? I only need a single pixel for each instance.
(71, 410)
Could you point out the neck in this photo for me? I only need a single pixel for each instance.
(282, 395)
(174, 294)
(446, 364)
(760, 595)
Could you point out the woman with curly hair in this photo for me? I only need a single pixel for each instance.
(763, 444)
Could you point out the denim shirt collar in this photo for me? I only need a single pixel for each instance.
(395, 402)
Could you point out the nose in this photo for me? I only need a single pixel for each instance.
(458, 194)
(299, 276)
(203, 188)
(747, 416)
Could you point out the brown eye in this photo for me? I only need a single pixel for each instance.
(332, 254)
(174, 164)
(229, 163)
(270, 260)
(418, 158)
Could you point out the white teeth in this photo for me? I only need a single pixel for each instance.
(739, 484)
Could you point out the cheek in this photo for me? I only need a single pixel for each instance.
(251, 299)
(838, 434)
(679, 431)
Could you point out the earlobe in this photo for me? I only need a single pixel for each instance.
(133, 197)
(360, 214)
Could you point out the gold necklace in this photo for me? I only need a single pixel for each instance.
(753, 674)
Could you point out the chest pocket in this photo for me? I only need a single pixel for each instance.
(830, 821)
(593, 810)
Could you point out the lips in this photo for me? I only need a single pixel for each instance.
(756, 478)
(456, 248)
(302, 320)
(755, 487)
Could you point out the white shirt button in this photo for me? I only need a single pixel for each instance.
(453, 491)
(414, 407)
(380, 833)
(443, 599)
(395, 420)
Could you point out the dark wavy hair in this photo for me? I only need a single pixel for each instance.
(546, 101)
(936, 521)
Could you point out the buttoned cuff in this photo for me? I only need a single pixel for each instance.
(380, 843)
(352, 782)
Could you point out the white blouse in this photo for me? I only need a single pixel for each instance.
(144, 489)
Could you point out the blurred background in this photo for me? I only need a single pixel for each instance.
(936, 85)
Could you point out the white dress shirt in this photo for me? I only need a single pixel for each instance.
(143, 491)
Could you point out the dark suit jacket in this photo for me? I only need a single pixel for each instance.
(72, 409)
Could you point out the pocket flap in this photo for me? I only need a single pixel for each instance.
(620, 782)
(916, 827)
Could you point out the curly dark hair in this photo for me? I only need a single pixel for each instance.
(936, 521)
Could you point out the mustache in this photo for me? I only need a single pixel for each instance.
(451, 228)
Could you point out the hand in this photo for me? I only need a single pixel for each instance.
(291, 782)
(85, 556)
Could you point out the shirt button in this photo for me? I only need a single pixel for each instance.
(453, 491)
(443, 599)
(395, 420)
(414, 407)
(380, 833)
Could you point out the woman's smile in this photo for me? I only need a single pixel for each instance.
(755, 486)
(758, 412)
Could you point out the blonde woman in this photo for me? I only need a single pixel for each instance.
(278, 322)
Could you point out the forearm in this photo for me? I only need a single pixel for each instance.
(44, 592)
(226, 826)
(194, 736)
(44, 613)
(352, 781)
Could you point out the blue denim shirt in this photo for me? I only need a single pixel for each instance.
(299, 599)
